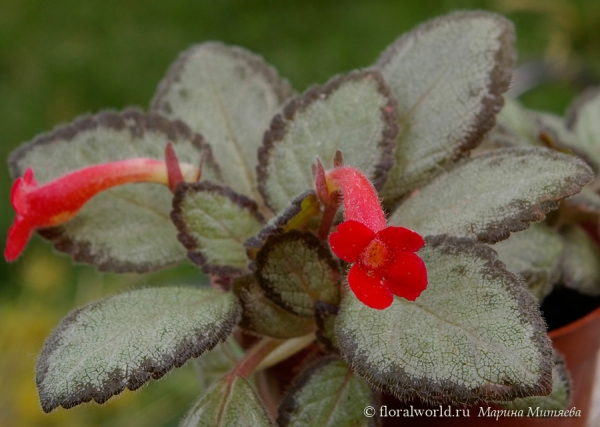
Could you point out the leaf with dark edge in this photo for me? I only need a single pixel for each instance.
(231, 402)
(580, 262)
(213, 223)
(354, 113)
(262, 316)
(557, 400)
(295, 270)
(125, 340)
(214, 364)
(582, 120)
(474, 334)
(230, 96)
(535, 254)
(126, 228)
(327, 394)
(449, 89)
(494, 194)
(301, 210)
(326, 314)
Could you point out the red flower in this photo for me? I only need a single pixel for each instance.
(58, 201)
(384, 262)
(383, 257)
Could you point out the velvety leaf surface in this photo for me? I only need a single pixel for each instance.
(354, 114)
(260, 315)
(296, 270)
(214, 364)
(494, 194)
(582, 119)
(587, 201)
(474, 333)
(558, 399)
(581, 262)
(229, 403)
(448, 76)
(123, 341)
(126, 228)
(230, 96)
(327, 395)
(213, 223)
(535, 254)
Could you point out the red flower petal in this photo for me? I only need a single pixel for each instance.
(18, 235)
(400, 239)
(350, 239)
(368, 289)
(407, 276)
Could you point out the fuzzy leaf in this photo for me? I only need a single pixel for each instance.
(448, 76)
(296, 271)
(126, 228)
(328, 395)
(214, 364)
(262, 316)
(353, 113)
(494, 194)
(474, 333)
(213, 223)
(535, 254)
(516, 119)
(587, 202)
(582, 119)
(581, 262)
(228, 403)
(559, 398)
(125, 340)
(229, 95)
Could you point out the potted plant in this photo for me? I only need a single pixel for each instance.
(377, 234)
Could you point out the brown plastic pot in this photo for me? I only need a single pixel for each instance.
(578, 342)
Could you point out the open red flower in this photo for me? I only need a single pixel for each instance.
(58, 201)
(383, 257)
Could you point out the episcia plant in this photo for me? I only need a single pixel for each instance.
(358, 234)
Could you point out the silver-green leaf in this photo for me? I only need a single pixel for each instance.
(296, 271)
(328, 395)
(125, 340)
(213, 223)
(231, 402)
(216, 363)
(557, 400)
(354, 114)
(535, 254)
(582, 120)
(126, 228)
(581, 262)
(230, 96)
(448, 76)
(474, 334)
(494, 194)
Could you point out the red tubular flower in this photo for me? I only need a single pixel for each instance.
(383, 257)
(59, 200)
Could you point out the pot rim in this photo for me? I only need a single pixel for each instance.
(570, 327)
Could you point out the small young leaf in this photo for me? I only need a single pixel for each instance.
(328, 395)
(125, 340)
(517, 120)
(494, 194)
(296, 216)
(535, 254)
(354, 114)
(557, 400)
(296, 271)
(582, 119)
(581, 262)
(126, 228)
(228, 403)
(213, 223)
(214, 364)
(229, 95)
(262, 316)
(448, 76)
(474, 333)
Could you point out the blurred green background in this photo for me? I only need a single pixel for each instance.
(62, 59)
